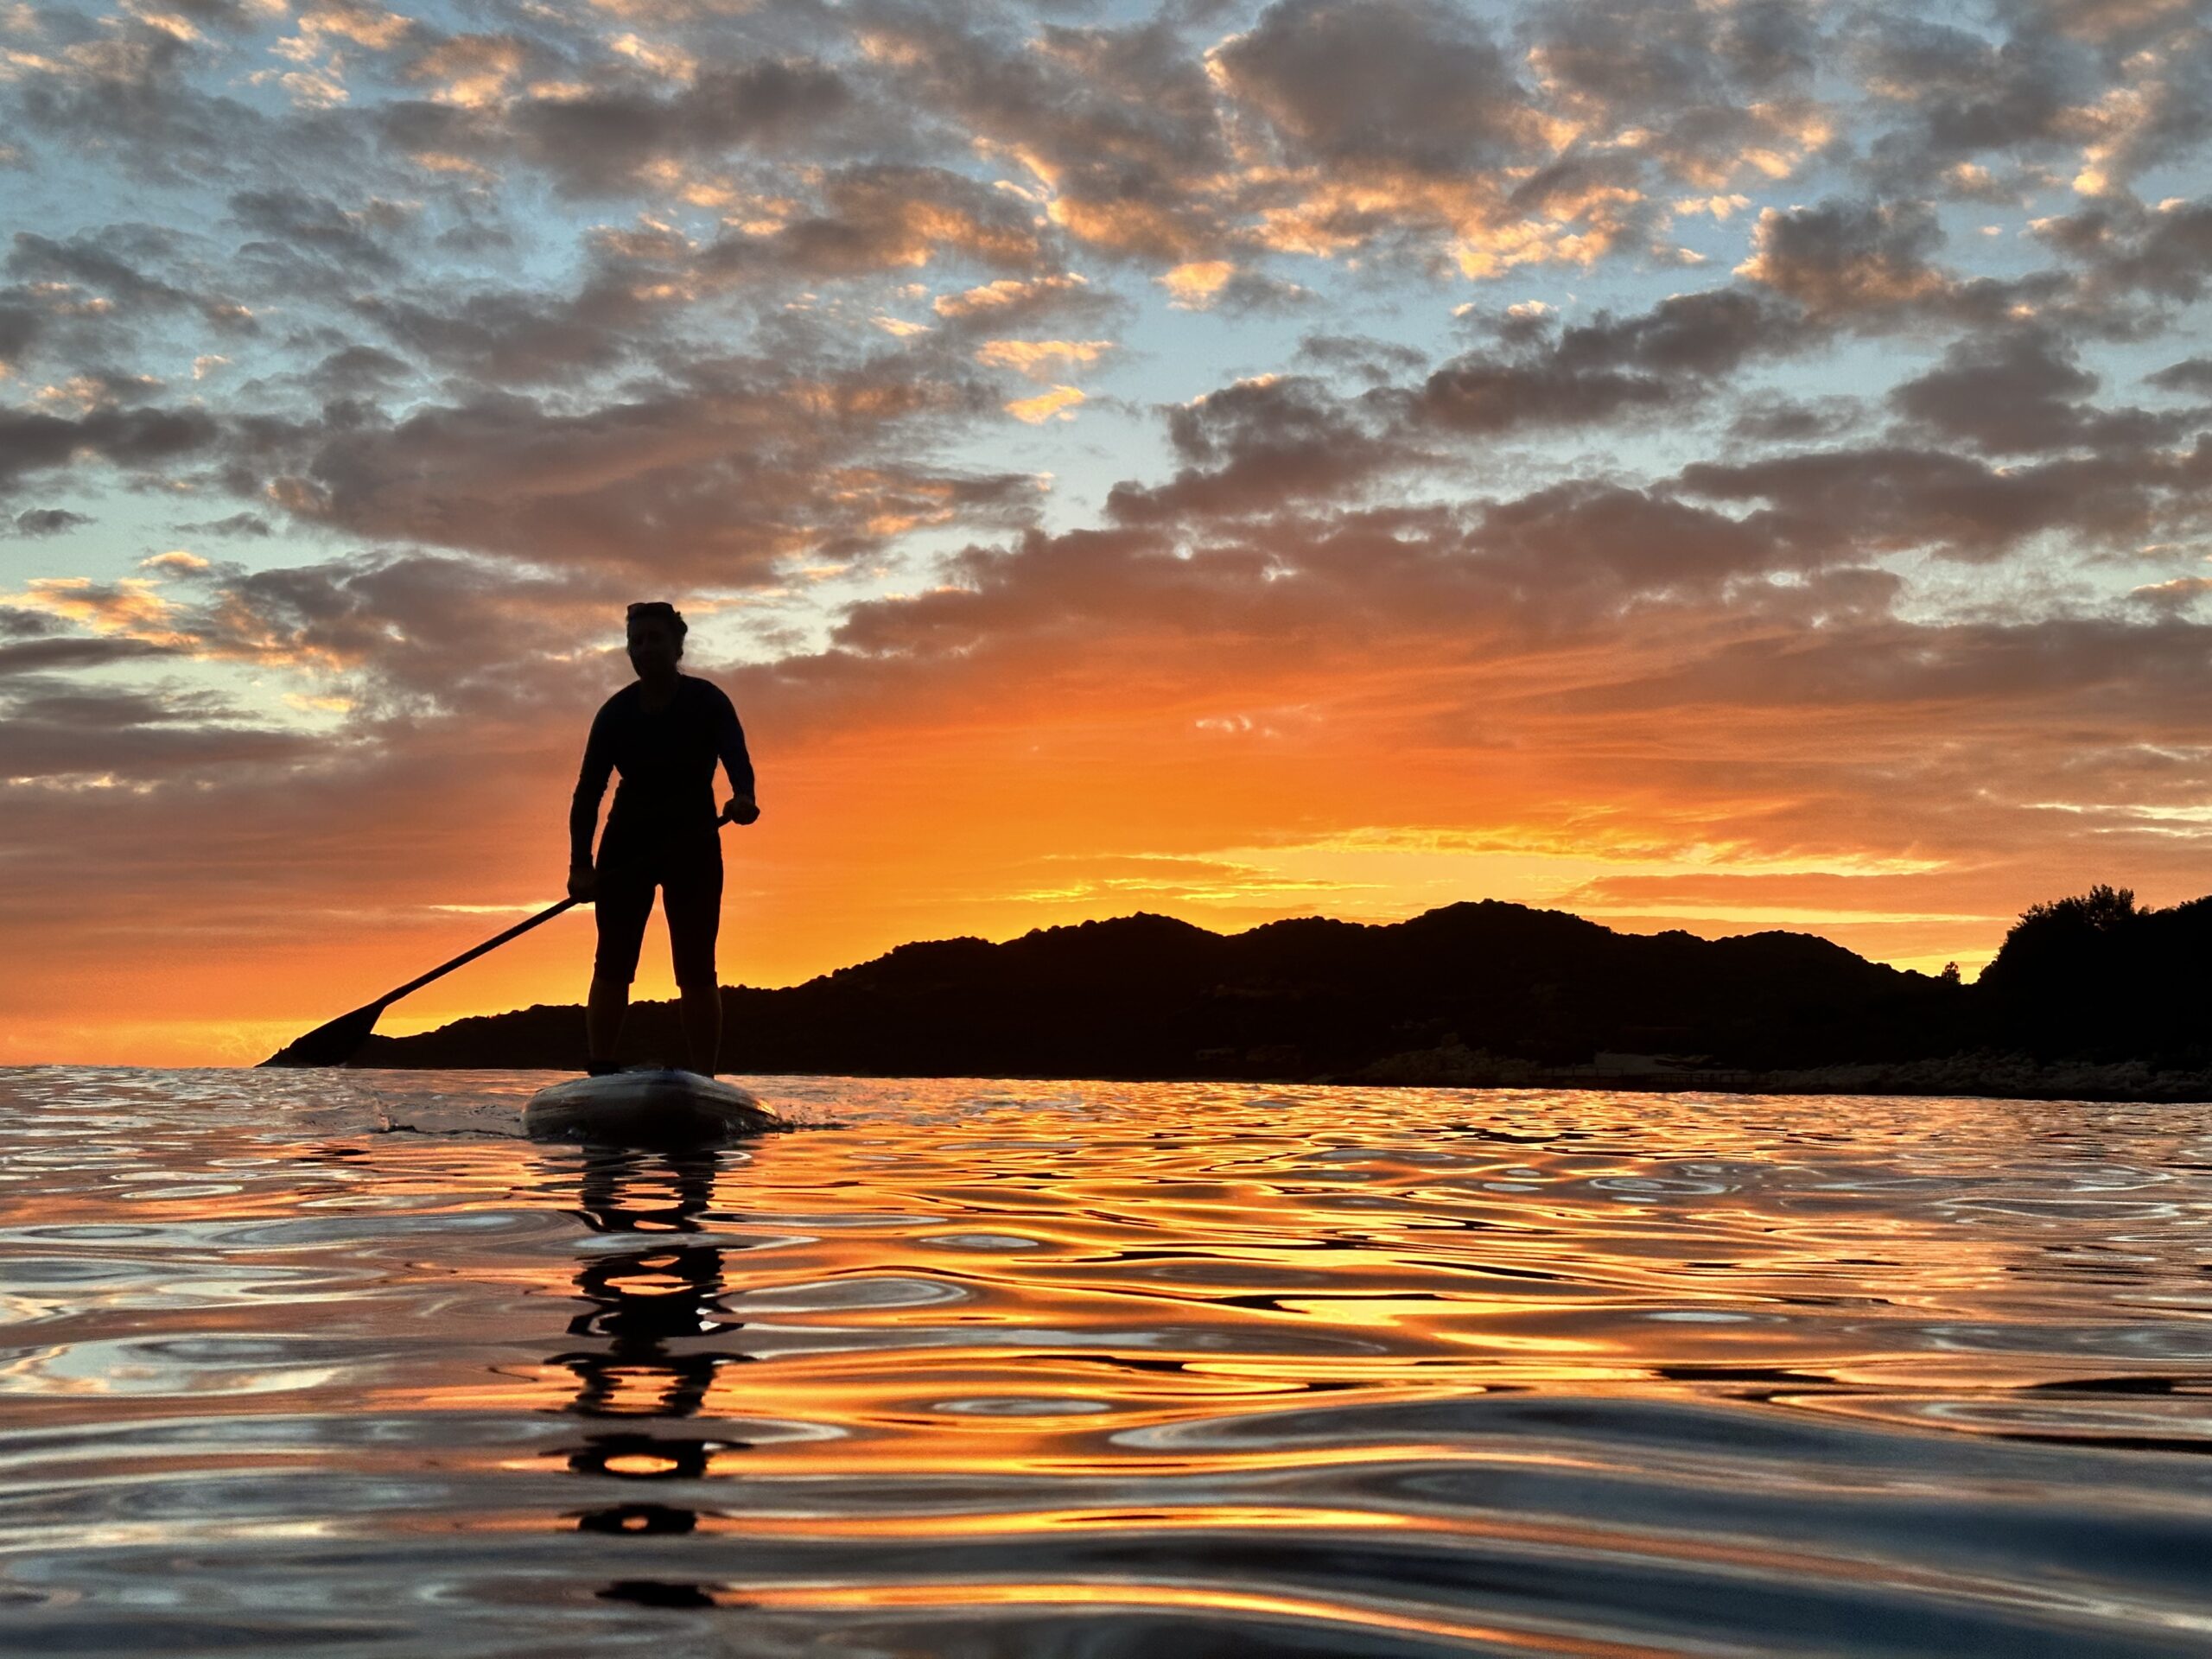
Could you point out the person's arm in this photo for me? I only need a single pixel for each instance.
(591, 788)
(729, 744)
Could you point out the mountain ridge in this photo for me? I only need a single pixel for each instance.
(1147, 994)
(2089, 997)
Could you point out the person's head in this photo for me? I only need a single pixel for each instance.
(655, 631)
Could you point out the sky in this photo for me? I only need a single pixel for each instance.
(1716, 464)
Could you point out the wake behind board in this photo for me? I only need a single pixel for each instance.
(652, 1107)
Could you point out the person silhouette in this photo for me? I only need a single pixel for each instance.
(664, 734)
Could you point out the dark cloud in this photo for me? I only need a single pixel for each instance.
(1856, 503)
(48, 521)
(502, 337)
(1963, 94)
(1378, 361)
(2025, 391)
(1662, 359)
(1124, 125)
(1845, 256)
(289, 227)
(49, 655)
(16, 623)
(748, 465)
(1773, 418)
(1560, 560)
(31, 441)
(1251, 447)
(2192, 375)
(1706, 90)
(55, 729)
(2127, 248)
(1408, 84)
(125, 94)
(606, 138)
(239, 524)
(1254, 292)
(2146, 675)
(365, 371)
(22, 321)
(114, 262)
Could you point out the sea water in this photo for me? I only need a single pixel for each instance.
(334, 1364)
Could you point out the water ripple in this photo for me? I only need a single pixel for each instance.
(336, 1364)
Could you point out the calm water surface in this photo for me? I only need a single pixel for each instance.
(333, 1364)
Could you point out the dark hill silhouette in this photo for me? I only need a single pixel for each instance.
(1147, 996)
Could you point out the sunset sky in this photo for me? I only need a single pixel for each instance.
(1724, 466)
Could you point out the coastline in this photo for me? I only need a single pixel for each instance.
(1983, 1074)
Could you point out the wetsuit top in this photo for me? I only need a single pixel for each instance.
(666, 757)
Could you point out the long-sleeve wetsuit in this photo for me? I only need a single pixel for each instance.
(661, 829)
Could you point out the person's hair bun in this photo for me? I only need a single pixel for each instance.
(661, 610)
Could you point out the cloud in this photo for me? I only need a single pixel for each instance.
(48, 521)
(1259, 445)
(1009, 302)
(237, 523)
(1847, 256)
(1663, 358)
(1120, 129)
(290, 227)
(615, 131)
(2190, 375)
(1059, 402)
(1710, 93)
(1861, 502)
(113, 262)
(32, 442)
(1037, 358)
(2127, 248)
(746, 466)
(1387, 84)
(2020, 393)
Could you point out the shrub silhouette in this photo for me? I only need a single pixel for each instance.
(2094, 977)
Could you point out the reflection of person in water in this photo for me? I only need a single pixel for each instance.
(663, 734)
(642, 1301)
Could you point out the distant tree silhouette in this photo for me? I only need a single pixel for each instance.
(2096, 976)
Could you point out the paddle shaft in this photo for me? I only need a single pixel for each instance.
(336, 1042)
(467, 956)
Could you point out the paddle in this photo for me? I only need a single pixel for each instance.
(337, 1042)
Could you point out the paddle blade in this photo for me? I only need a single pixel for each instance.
(330, 1045)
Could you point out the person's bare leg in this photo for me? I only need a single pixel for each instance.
(702, 1024)
(610, 1000)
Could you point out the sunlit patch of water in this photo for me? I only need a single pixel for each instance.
(334, 1362)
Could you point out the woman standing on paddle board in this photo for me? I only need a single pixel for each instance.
(663, 734)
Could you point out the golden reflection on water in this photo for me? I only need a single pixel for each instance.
(1568, 1372)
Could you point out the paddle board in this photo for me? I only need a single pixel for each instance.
(647, 1106)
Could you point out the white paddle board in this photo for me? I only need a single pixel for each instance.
(647, 1106)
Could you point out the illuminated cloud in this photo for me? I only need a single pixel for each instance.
(1058, 403)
